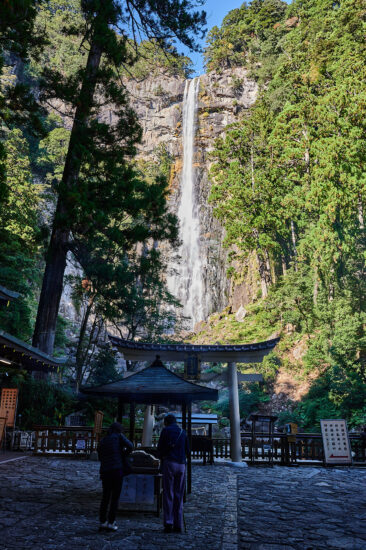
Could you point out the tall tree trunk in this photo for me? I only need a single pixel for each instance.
(293, 238)
(284, 266)
(264, 274)
(264, 267)
(79, 356)
(315, 287)
(44, 332)
(360, 213)
(252, 167)
(49, 301)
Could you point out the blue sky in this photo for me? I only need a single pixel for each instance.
(216, 11)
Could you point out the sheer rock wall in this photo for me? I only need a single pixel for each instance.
(222, 99)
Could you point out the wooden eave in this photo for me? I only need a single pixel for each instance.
(25, 356)
(240, 353)
(155, 385)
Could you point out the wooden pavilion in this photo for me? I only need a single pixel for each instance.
(156, 385)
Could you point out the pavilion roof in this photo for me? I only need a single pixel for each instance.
(154, 384)
(22, 355)
(241, 353)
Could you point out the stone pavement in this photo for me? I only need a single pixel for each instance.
(49, 504)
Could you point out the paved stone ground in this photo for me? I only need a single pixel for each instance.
(49, 504)
(302, 508)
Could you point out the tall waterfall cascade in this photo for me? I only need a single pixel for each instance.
(187, 282)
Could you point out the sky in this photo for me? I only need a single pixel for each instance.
(216, 10)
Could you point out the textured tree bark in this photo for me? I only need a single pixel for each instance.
(79, 357)
(360, 213)
(44, 332)
(315, 287)
(294, 249)
(45, 328)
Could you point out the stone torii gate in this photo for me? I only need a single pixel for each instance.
(230, 354)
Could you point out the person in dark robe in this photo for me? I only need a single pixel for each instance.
(111, 452)
(173, 450)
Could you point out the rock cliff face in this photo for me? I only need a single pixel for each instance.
(222, 99)
(158, 102)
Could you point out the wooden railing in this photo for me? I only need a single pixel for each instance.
(73, 441)
(276, 448)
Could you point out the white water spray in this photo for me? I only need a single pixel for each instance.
(187, 284)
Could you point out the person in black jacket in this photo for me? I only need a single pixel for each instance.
(173, 449)
(111, 450)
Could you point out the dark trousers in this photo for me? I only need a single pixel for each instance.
(173, 491)
(112, 486)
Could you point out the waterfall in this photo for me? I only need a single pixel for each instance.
(187, 285)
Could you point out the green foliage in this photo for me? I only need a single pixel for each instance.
(61, 339)
(338, 393)
(17, 104)
(20, 236)
(249, 35)
(104, 367)
(237, 83)
(66, 50)
(52, 152)
(56, 403)
(289, 183)
(249, 400)
(150, 60)
(60, 21)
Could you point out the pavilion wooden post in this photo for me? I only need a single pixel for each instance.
(147, 432)
(235, 443)
(132, 421)
(120, 409)
(184, 415)
(189, 461)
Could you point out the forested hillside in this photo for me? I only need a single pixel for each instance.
(289, 185)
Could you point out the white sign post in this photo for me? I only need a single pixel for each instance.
(337, 449)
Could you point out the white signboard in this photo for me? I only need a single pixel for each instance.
(336, 444)
(138, 489)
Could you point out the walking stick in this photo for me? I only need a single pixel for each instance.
(184, 523)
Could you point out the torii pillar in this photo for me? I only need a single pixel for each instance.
(147, 432)
(235, 442)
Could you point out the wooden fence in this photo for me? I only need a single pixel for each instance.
(67, 441)
(262, 448)
(276, 448)
(308, 448)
